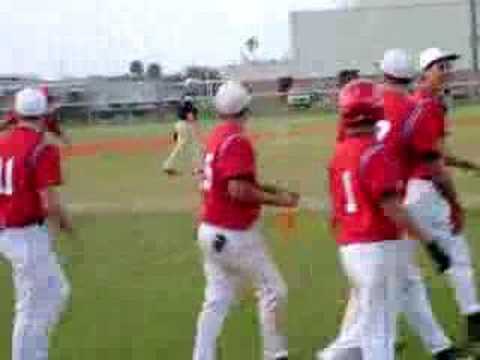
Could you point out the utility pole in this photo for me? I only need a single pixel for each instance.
(474, 34)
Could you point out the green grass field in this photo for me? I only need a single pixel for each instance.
(139, 284)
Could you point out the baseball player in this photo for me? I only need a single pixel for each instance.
(436, 90)
(234, 251)
(186, 136)
(366, 185)
(31, 172)
(431, 195)
(398, 108)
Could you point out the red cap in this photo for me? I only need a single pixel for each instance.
(360, 101)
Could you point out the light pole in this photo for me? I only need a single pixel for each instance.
(474, 34)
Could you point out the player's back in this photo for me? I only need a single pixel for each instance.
(229, 154)
(358, 175)
(393, 131)
(398, 107)
(19, 199)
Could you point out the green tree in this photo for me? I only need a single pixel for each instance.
(154, 71)
(137, 68)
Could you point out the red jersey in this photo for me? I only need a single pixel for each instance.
(50, 122)
(229, 154)
(341, 129)
(425, 131)
(409, 131)
(398, 108)
(27, 165)
(361, 173)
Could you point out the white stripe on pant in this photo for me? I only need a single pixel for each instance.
(41, 289)
(242, 262)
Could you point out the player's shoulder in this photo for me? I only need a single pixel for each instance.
(349, 151)
(228, 132)
(376, 157)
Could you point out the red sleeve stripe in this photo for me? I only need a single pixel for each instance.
(409, 125)
(35, 153)
(366, 157)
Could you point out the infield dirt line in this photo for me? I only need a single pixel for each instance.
(130, 145)
(152, 144)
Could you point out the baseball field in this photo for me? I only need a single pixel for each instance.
(135, 269)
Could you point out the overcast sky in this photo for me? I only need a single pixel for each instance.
(79, 37)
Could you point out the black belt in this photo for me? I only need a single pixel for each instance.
(38, 222)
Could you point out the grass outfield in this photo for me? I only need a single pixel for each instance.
(138, 286)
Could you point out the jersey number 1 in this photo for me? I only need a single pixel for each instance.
(351, 206)
(6, 176)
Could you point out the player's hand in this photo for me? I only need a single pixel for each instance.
(288, 199)
(457, 218)
(440, 258)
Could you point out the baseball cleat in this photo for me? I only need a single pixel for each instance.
(171, 172)
(447, 354)
(473, 328)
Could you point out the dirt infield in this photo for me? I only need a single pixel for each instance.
(153, 144)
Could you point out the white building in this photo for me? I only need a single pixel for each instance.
(357, 34)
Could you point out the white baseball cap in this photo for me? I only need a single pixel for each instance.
(231, 98)
(432, 55)
(30, 102)
(397, 64)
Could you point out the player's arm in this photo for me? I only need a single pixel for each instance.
(238, 161)
(48, 177)
(246, 191)
(276, 190)
(384, 188)
(428, 144)
(460, 163)
(55, 210)
(394, 210)
(273, 188)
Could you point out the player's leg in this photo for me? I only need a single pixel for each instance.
(462, 279)
(418, 311)
(171, 163)
(272, 297)
(424, 201)
(220, 293)
(347, 344)
(371, 269)
(41, 291)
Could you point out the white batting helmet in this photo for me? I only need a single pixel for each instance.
(231, 98)
(430, 56)
(397, 64)
(31, 102)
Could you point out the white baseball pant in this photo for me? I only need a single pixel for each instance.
(377, 272)
(41, 289)
(427, 204)
(186, 148)
(243, 261)
(414, 304)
